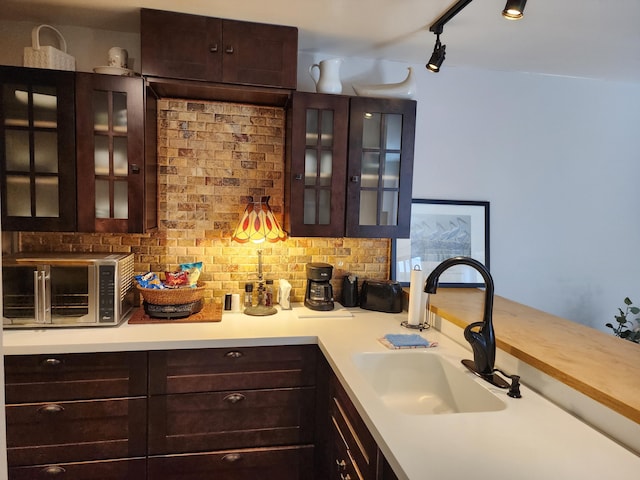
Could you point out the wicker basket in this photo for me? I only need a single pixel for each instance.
(172, 296)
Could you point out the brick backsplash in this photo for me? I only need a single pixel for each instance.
(213, 156)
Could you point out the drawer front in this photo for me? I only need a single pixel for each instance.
(129, 469)
(44, 433)
(77, 376)
(285, 463)
(343, 466)
(235, 419)
(362, 447)
(219, 369)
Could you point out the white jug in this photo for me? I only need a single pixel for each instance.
(328, 77)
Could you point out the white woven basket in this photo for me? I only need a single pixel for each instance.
(46, 56)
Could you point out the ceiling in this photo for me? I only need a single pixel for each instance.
(582, 38)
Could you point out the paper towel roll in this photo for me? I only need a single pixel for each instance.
(417, 298)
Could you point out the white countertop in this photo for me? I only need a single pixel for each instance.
(530, 439)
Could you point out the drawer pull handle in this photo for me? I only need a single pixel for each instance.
(51, 409)
(53, 470)
(232, 457)
(51, 362)
(341, 463)
(213, 48)
(229, 49)
(234, 398)
(233, 354)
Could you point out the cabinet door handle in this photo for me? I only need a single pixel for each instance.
(51, 362)
(229, 49)
(232, 457)
(234, 398)
(298, 176)
(213, 48)
(53, 470)
(51, 409)
(135, 168)
(341, 463)
(355, 179)
(233, 354)
(345, 477)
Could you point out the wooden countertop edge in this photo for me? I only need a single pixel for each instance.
(603, 355)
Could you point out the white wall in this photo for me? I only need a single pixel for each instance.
(559, 160)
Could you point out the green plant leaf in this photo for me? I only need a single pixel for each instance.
(634, 310)
(627, 301)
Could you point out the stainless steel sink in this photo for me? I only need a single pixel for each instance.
(423, 383)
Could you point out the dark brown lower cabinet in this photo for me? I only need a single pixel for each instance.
(128, 469)
(43, 433)
(275, 463)
(226, 414)
(233, 413)
(354, 453)
(234, 419)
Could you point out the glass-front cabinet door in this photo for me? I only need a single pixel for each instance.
(110, 148)
(380, 173)
(37, 149)
(317, 165)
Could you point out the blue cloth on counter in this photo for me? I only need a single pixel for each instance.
(403, 340)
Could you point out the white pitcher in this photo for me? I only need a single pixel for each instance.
(328, 75)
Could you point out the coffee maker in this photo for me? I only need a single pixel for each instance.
(319, 294)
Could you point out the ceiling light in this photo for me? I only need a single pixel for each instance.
(514, 9)
(437, 57)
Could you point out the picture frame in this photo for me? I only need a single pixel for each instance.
(442, 229)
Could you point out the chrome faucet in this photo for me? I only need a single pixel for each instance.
(480, 335)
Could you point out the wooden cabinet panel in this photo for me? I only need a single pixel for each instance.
(235, 419)
(259, 54)
(129, 469)
(110, 112)
(343, 466)
(362, 450)
(349, 166)
(316, 165)
(354, 452)
(208, 370)
(182, 46)
(37, 149)
(74, 376)
(43, 433)
(280, 463)
(380, 171)
(193, 47)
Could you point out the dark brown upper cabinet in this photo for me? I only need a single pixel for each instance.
(316, 168)
(193, 47)
(349, 166)
(380, 167)
(37, 149)
(116, 178)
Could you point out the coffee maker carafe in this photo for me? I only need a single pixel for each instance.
(319, 294)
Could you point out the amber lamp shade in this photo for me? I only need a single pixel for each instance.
(258, 224)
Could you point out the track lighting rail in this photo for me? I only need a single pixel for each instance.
(512, 11)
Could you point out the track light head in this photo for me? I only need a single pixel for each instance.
(514, 9)
(437, 57)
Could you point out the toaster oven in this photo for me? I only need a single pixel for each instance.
(63, 290)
